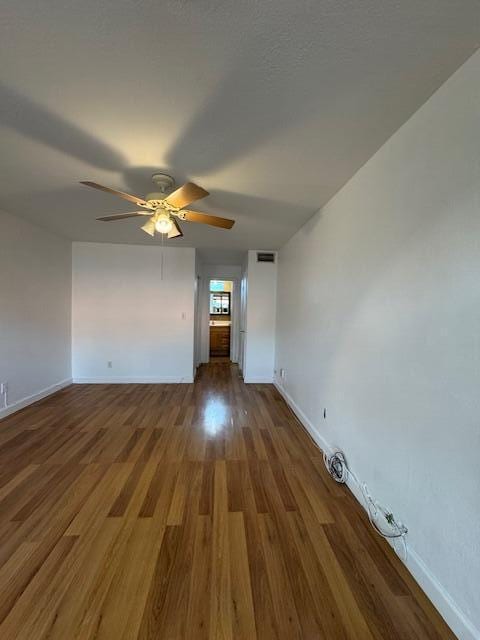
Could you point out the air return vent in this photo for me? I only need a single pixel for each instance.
(265, 257)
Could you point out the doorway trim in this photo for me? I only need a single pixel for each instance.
(204, 315)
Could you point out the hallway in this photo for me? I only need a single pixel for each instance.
(187, 511)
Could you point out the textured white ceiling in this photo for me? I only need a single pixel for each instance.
(271, 105)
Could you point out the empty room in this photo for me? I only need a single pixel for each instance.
(239, 320)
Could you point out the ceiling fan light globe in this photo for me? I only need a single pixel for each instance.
(163, 224)
(149, 227)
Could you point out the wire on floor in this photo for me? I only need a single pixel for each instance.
(337, 468)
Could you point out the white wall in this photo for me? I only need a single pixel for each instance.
(260, 325)
(378, 320)
(35, 305)
(124, 312)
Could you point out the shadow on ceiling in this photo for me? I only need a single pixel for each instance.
(251, 105)
(39, 123)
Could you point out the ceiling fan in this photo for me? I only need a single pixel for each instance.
(162, 209)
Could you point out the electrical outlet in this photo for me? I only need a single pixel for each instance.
(109, 364)
(184, 315)
(282, 374)
(325, 414)
(3, 388)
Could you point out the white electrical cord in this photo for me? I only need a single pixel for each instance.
(373, 508)
(336, 466)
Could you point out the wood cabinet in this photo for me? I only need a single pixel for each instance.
(220, 341)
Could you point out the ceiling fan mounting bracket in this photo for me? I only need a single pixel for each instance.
(163, 181)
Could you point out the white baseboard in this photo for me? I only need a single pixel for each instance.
(24, 402)
(258, 380)
(458, 622)
(134, 380)
(316, 435)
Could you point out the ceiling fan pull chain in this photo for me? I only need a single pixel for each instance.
(161, 261)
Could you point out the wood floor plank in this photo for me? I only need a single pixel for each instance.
(221, 603)
(171, 623)
(267, 625)
(243, 615)
(312, 621)
(281, 589)
(23, 621)
(75, 609)
(193, 511)
(161, 579)
(330, 619)
(369, 589)
(101, 499)
(126, 595)
(110, 563)
(352, 617)
(198, 612)
(206, 496)
(16, 479)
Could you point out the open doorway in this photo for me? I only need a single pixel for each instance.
(217, 265)
(220, 319)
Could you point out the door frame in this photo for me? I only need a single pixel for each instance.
(204, 315)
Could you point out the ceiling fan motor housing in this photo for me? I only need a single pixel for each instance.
(164, 182)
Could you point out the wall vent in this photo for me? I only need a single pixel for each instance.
(265, 257)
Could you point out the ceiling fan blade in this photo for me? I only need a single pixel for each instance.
(175, 231)
(122, 216)
(125, 196)
(205, 218)
(149, 227)
(185, 195)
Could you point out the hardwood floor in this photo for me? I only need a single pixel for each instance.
(187, 511)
